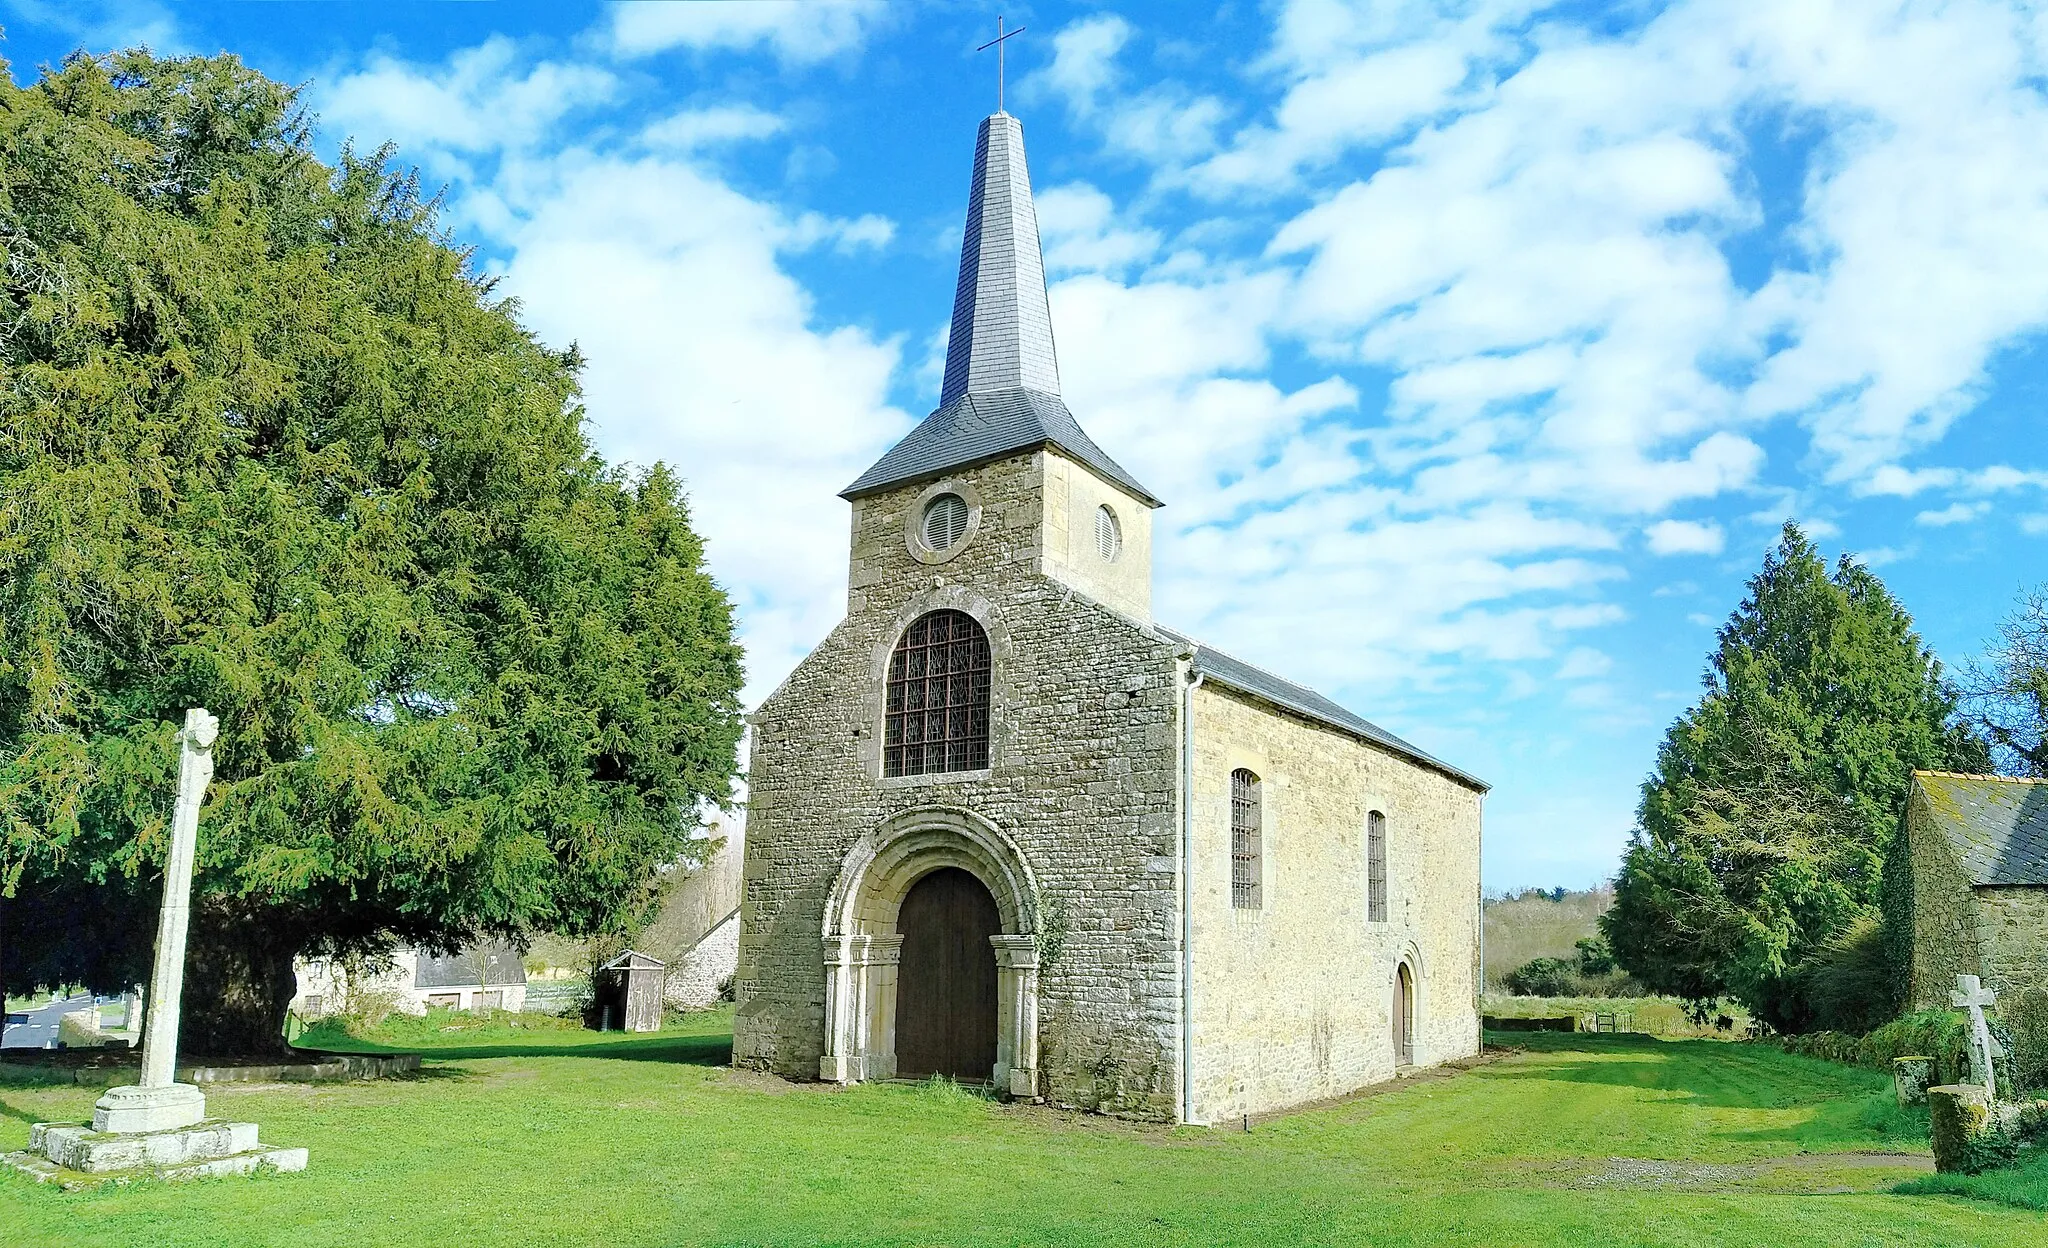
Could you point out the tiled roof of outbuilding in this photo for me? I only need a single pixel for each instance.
(1997, 824)
(1237, 674)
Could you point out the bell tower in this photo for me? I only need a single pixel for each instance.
(1072, 513)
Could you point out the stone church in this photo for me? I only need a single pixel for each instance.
(1978, 853)
(1005, 827)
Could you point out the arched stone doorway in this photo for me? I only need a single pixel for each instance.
(865, 935)
(1404, 1015)
(946, 979)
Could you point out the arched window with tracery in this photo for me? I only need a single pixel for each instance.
(1245, 840)
(937, 701)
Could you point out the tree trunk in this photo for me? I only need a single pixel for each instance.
(239, 983)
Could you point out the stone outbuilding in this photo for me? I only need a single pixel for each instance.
(1005, 827)
(1978, 846)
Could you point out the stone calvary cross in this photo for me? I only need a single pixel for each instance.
(160, 1102)
(159, 1128)
(1970, 994)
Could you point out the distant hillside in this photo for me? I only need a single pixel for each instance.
(1534, 923)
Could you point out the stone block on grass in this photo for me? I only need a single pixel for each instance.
(1910, 1077)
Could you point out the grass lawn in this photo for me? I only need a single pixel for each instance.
(523, 1138)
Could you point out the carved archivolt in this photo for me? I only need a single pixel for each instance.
(862, 949)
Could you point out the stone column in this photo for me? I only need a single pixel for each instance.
(878, 1032)
(161, 1103)
(836, 1064)
(1016, 1014)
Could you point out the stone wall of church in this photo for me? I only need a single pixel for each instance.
(1083, 778)
(1945, 937)
(2012, 932)
(1293, 1000)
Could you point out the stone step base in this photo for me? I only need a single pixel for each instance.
(42, 1170)
(82, 1148)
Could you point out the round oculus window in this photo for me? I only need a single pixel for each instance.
(1109, 536)
(945, 522)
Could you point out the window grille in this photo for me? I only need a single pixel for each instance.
(1376, 867)
(1109, 535)
(936, 716)
(1244, 840)
(945, 522)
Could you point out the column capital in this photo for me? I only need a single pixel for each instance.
(1018, 952)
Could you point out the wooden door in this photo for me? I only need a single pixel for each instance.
(946, 982)
(1404, 1009)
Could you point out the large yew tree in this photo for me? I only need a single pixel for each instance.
(1763, 859)
(270, 444)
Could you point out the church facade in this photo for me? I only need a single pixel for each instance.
(1005, 827)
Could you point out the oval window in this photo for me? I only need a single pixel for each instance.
(1109, 536)
(945, 522)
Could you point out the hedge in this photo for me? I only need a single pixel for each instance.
(1938, 1034)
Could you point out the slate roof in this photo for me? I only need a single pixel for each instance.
(1001, 335)
(1997, 824)
(1001, 393)
(1237, 674)
(978, 427)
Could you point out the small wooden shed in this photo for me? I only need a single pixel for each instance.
(628, 993)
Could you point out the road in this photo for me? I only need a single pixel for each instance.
(40, 1026)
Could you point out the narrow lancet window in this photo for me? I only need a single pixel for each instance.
(1245, 840)
(937, 699)
(1376, 867)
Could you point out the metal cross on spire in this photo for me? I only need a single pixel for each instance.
(997, 43)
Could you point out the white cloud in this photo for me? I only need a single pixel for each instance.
(1162, 123)
(1584, 663)
(2034, 525)
(1078, 227)
(705, 352)
(1684, 537)
(1083, 66)
(799, 33)
(482, 99)
(1954, 513)
(702, 127)
(1905, 482)
(107, 25)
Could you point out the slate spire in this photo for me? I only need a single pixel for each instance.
(1002, 327)
(1001, 394)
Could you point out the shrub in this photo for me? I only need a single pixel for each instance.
(1543, 977)
(1848, 982)
(1937, 1034)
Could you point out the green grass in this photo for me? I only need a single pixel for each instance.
(2024, 1186)
(566, 1137)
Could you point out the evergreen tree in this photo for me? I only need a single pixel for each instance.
(1765, 829)
(268, 444)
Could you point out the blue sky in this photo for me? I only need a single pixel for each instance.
(1477, 349)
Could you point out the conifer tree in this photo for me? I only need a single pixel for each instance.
(270, 445)
(1765, 829)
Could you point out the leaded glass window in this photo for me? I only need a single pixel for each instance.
(937, 709)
